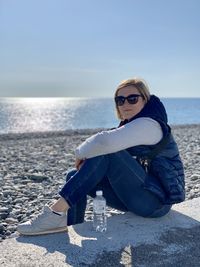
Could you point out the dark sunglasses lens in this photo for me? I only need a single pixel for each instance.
(132, 99)
(120, 100)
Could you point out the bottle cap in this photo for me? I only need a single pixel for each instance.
(99, 193)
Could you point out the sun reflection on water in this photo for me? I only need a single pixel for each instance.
(45, 101)
(41, 114)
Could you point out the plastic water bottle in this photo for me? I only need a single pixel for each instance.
(99, 213)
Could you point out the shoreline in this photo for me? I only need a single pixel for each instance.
(69, 132)
(34, 165)
(48, 134)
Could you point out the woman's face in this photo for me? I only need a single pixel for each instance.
(127, 110)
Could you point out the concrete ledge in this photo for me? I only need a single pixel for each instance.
(130, 241)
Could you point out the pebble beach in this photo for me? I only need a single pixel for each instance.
(33, 168)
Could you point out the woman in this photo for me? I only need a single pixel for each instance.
(137, 165)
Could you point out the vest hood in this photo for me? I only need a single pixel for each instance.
(155, 109)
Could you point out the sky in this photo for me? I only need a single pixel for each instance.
(85, 48)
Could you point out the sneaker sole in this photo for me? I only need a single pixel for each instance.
(50, 231)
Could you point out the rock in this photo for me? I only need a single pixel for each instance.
(4, 209)
(12, 228)
(7, 193)
(2, 229)
(191, 195)
(195, 177)
(24, 182)
(15, 212)
(3, 215)
(8, 233)
(18, 201)
(197, 152)
(11, 220)
(37, 177)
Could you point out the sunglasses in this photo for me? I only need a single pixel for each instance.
(132, 99)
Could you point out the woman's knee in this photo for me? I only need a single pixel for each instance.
(70, 174)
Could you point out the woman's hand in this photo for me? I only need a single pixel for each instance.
(79, 163)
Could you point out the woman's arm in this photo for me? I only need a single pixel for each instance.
(142, 131)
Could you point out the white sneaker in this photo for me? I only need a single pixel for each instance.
(46, 222)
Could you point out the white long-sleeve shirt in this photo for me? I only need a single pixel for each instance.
(141, 131)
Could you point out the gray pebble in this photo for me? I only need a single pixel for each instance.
(4, 209)
(195, 177)
(11, 220)
(3, 215)
(7, 193)
(2, 228)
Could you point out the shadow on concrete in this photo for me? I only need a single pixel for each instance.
(129, 241)
(177, 248)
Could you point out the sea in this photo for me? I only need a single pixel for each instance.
(22, 115)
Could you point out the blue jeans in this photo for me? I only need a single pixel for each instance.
(120, 177)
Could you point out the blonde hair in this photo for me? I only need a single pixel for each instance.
(141, 86)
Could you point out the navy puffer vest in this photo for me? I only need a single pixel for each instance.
(165, 176)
